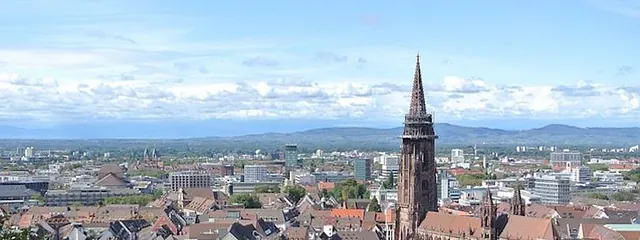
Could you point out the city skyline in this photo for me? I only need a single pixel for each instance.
(338, 64)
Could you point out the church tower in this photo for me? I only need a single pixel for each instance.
(488, 217)
(417, 190)
(517, 205)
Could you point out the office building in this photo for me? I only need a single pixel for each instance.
(448, 186)
(29, 151)
(255, 173)
(389, 166)
(581, 174)
(246, 187)
(362, 169)
(85, 196)
(564, 157)
(14, 196)
(457, 155)
(333, 176)
(36, 186)
(182, 180)
(302, 177)
(291, 155)
(551, 189)
(608, 176)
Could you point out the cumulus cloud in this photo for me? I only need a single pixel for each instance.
(47, 99)
(154, 67)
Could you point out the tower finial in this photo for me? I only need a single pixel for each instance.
(418, 105)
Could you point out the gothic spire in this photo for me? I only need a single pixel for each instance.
(418, 106)
(488, 199)
(517, 206)
(488, 217)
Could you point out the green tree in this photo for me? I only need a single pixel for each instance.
(295, 193)
(471, 179)
(389, 182)
(141, 200)
(324, 193)
(623, 196)
(597, 195)
(374, 206)
(267, 189)
(247, 200)
(599, 167)
(633, 175)
(38, 197)
(350, 189)
(157, 193)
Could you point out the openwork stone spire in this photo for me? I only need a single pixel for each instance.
(417, 185)
(418, 106)
(488, 218)
(517, 205)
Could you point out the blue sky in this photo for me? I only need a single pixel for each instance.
(66, 61)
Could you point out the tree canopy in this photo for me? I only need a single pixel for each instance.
(350, 188)
(374, 206)
(633, 175)
(295, 193)
(471, 179)
(247, 200)
(598, 167)
(597, 195)
(141, 200)
(623, 196)
(390, 182)
(267, 189)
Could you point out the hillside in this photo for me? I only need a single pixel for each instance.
(448, 135)
(345, 138)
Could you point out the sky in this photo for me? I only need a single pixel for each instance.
(158, 61)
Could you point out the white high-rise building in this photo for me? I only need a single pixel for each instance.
(28, 152)
(255, 173)
(551, 189)
(581, 174)
(390, 165)
(457, 155)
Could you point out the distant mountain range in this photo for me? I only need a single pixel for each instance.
(450, 134)
(361, 137)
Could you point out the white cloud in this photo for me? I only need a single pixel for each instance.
(48, 99)
(111, 65)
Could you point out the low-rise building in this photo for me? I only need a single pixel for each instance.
(84, 196)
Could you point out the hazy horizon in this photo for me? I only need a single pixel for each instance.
(227, 128)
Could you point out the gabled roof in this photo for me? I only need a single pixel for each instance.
(340, 212)
(245, 232)
(528, 228)
(111, 168)
(14, 191)
(111, 180)
(454, 225)
(190, 193)
(360, 235)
